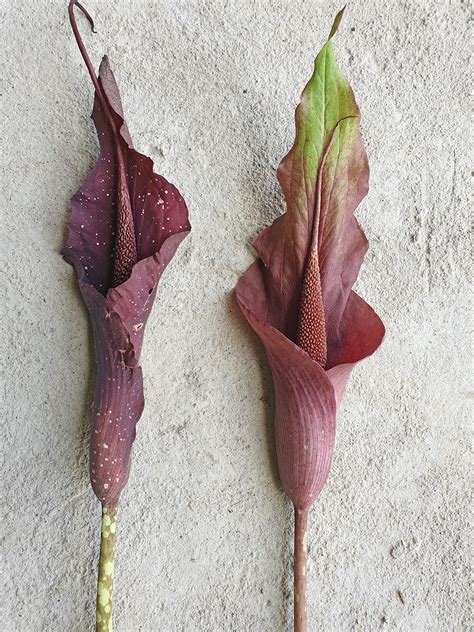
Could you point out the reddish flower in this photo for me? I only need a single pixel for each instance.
(298, 297)
(125, 227)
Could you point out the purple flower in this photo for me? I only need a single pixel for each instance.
(125, 227)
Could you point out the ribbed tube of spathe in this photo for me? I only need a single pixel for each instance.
(305, 414)
(118, 403)
(303, 397)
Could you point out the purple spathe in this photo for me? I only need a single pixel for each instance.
(119, 314)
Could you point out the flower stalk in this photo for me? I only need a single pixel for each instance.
(300, 567)
(105, 579)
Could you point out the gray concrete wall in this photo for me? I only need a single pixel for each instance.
(204, 542)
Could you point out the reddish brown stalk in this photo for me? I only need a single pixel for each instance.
(125, 252)
(300, 563)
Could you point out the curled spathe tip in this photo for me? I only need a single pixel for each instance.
(74, 3)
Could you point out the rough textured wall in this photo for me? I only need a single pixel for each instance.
(204, 535)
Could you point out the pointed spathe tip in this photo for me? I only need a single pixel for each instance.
(337, 21)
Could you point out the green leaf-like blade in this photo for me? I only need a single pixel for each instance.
(323, 178)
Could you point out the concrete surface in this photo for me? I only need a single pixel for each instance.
(204, 542)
